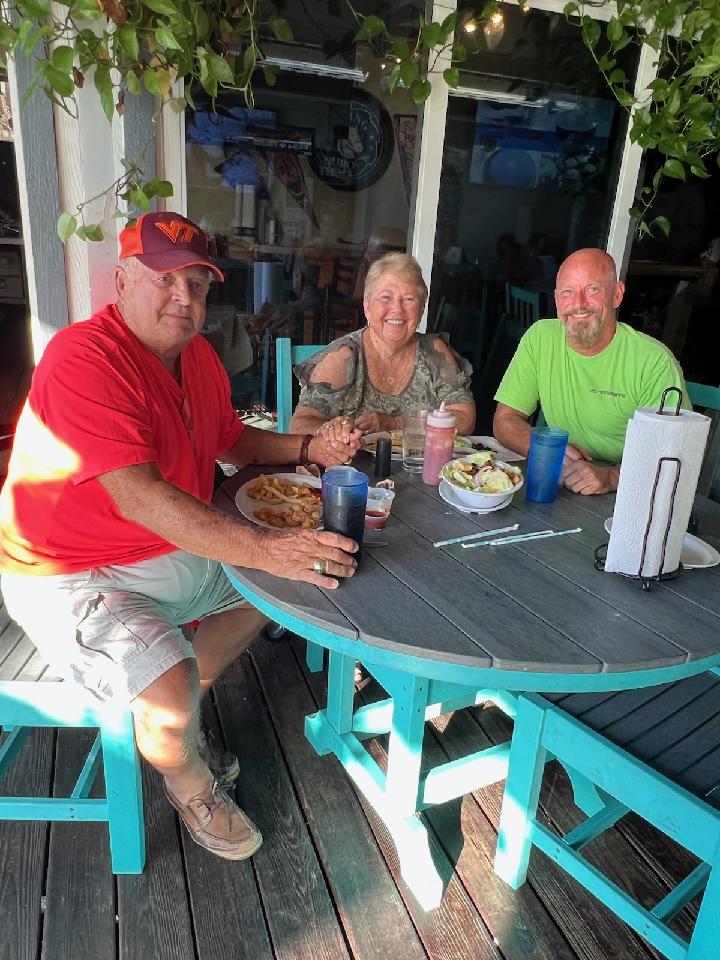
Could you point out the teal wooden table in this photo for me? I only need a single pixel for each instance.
(444, 628)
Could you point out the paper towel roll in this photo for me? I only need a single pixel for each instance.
(247, 221)
(268, 284)
(650, 437)
(244, 219)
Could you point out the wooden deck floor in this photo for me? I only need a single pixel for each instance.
(325, 884)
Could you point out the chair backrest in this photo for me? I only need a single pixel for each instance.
(703, 395)
(708, 398)
(344, 276)
(522, 304)
(285, 356)
(506, 338)
(446, 318)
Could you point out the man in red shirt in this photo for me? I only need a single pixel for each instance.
(108, 542)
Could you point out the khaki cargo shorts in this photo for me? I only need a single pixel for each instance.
(116, 629)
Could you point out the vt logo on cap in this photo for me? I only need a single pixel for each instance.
(166, 241)
(181, 231)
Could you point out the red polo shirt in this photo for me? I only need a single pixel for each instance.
(100, 400)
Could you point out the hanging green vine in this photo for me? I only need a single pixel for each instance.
(678, 115)
(126, 47)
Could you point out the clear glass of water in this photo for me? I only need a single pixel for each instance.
(413, 440)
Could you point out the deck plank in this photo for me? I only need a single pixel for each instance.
(23, 851)
(297, 903)
(80, 893)
(353, 864)
(517, 919)
(153, 908)
(227, 910)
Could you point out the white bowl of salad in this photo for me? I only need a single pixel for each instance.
(481, 481)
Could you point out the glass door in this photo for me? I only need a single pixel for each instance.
(300, 192)
(672, 290)
(533, 141)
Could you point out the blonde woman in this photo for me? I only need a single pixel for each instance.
(366, 380)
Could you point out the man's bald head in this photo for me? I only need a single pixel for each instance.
(587, 294)
(591, 258)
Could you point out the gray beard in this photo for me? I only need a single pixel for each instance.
(585, 334)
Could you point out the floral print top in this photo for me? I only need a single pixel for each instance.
(433, 380)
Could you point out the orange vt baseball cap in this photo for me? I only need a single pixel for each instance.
(167, 241)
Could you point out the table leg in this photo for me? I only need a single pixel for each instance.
(398, 794)
(402, 780)
(521, 795)
(341, 691)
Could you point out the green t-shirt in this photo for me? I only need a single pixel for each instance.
(591, 397)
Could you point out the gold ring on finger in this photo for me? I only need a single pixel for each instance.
(320, 566)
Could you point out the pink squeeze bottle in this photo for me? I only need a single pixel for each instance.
(439, 443)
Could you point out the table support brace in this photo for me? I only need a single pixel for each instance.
(399, 795)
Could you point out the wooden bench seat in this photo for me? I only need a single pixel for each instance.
(654, 751)
(31, 697)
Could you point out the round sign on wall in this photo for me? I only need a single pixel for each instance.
(361, 146)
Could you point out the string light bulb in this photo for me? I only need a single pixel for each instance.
(470, 26)
(493, 29)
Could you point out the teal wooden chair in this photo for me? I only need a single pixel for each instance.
(465, 327)
(522, 309)
(703, 395)
(654, 752)
(285, 356)
(506, 338)
(26, 704)
(522, 304)
(706, 398)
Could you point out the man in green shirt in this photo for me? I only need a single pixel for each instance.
(586, 371)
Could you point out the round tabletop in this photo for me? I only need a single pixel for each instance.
(532, 616)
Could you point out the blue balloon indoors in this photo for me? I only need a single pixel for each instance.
(511, 168)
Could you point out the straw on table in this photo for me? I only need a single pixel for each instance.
(540, 535)
(474, 536)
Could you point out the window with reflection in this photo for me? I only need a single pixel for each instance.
(672, 289)
(301, 191)
(532, 144)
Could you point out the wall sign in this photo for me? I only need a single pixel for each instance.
(360, 144)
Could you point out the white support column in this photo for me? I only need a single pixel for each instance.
(621, 232)
(170, 154)
(89, 152)
(432, 142)
(38, 190)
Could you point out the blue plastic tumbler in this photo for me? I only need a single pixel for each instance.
(545, 460)
(344, 496)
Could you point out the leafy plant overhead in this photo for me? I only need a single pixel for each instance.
(123, 47)
(679, 114)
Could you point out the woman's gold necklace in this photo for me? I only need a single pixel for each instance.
(389, 381)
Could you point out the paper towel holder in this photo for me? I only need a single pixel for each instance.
(672, 413)
(670, 574)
